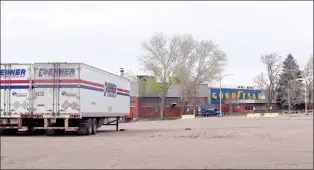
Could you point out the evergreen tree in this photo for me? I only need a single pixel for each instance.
(288, 86)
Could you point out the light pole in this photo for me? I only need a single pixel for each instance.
(254, 98)
(305, 93)
(220, 78)
(289, 103)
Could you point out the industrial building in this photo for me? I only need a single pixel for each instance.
(238, 99)
(146, 104)
(234, 99)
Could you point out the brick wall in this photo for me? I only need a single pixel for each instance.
(149, 107)
(154, 112)
(245, 108)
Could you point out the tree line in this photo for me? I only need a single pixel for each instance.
(285, 83)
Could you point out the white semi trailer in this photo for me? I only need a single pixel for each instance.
(15, 100)
(75, 96)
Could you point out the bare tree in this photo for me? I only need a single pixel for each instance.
(308, 75)
(186, 60)
(161, 55)
(200, 62)
(268, 81)
(293, 96)
(231, 103)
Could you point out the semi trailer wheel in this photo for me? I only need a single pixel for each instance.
(60, 131)
(82, 127)
(89, 127)
(30, 130)
(94, 125)
(81, 130)
(50, 132)
(85, 127)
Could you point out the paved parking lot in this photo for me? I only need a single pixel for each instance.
(228, 142)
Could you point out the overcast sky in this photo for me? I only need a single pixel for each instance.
(108, 35)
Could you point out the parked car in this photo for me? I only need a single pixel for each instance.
(211, 112)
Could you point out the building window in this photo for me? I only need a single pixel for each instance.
(150, 101)
(248, 107)
(171, 100)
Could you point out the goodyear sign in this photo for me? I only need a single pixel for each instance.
(233, 94)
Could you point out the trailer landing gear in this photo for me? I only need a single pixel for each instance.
(114, 122)
(85, 126)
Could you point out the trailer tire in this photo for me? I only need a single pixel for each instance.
(30, 130)
(80, 131)
(85, 127)
(82, 128)
(94, 125)
(60, 131)
(89, 127)
(50, 132)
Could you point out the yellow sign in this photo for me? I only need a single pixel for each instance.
(237, 95)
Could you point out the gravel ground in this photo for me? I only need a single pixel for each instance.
(228, 142)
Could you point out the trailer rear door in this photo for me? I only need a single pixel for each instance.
(56, 89)
(15, 86)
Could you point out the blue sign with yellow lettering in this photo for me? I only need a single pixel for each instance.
(233, 94)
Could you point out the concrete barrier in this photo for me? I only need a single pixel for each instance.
(270, 115)
(249, 115)
(275, 114)
(188, 117)
(253, 115)
(257, 115)
(267, 115)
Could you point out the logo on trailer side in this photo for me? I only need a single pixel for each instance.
(13, 72)
(110, 90)
(19, 94)
(64, 93)
(61, 72)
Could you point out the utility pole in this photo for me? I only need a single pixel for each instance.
(305, 98)
(305, 92)
(220, 78)
(289, 103)
(220, 96)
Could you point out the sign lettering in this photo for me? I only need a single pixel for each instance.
(62, 72)
(234, 94)
(39, 93)
(13, 72)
